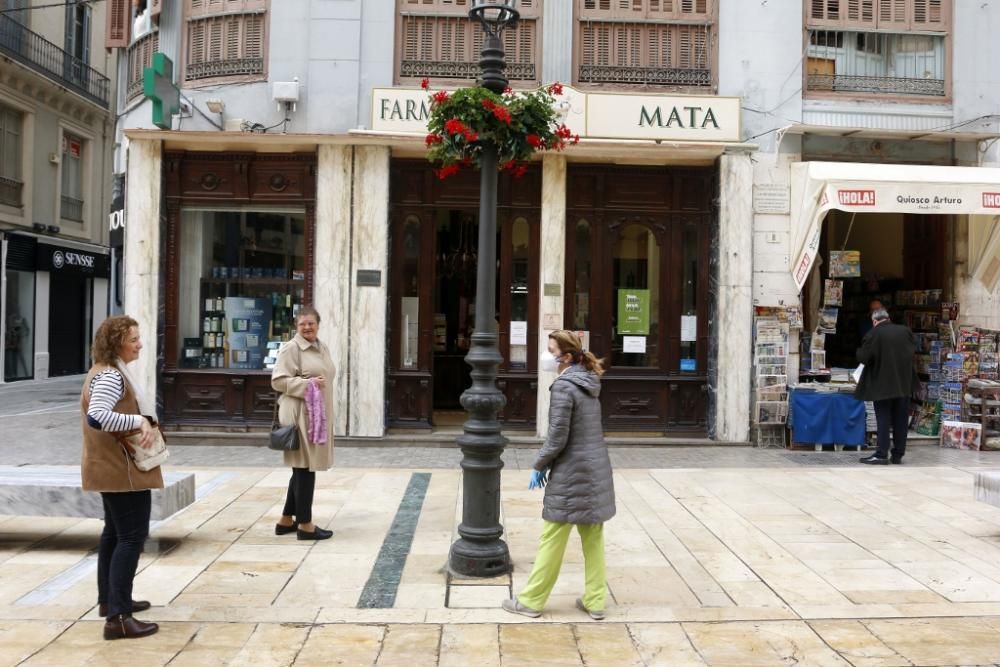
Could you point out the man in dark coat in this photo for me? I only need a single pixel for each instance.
(887, 380)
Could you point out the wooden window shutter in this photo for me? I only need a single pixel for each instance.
(893, 14)
(929, 15)
(196, 43)
(118, 24)
(253, 37)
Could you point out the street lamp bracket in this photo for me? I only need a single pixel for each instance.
(495, 15)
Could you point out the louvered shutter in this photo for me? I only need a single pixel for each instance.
(117, 24)
(893, 14)
(929, 15)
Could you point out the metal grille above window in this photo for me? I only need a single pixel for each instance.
(665, 43)
(644, 53)
(438, 40)
(140, 56)
(225, 38)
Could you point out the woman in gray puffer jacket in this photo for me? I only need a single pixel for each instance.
(580, 489)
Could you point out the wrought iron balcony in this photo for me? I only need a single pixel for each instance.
(846, 61)
(72, 209)
(41, 55)
(10, 191)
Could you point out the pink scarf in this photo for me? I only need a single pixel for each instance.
(316, 414)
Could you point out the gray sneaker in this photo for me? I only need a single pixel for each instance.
(515, 607)
(596, 614)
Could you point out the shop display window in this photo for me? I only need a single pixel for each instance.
(242, 279)
(636, 295)
(19, 349)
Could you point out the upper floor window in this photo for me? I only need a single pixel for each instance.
(225, 39)
(879, 47)
(10, 157)
(72, 177)
(438, 40)
(78, 32)
(662, 43)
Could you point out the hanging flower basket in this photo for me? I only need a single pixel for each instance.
(519, 124)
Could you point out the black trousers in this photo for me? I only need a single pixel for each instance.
(892, 413)
(299, 499)
(126, 526)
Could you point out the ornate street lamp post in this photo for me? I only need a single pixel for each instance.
(480, 551)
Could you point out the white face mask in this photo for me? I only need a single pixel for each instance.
(547, 362)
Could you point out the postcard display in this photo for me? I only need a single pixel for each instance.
(771, 379)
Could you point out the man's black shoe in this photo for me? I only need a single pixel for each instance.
(896, 460)
(875, 460)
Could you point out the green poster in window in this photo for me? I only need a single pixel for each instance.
(633, 312)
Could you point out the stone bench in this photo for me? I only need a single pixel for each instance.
(988, 487)
(44, 491)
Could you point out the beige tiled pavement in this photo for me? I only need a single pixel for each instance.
(706, 566)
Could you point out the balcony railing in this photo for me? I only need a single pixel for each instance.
(869, 62)
(140, 56)
(41, 55)
(72, 209)
(645, 54)
(10, 192)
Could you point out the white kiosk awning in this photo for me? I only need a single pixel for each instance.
(818, 187)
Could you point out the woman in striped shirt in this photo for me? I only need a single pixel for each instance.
(113, 405)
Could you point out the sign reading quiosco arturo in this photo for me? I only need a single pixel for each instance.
(592, 115)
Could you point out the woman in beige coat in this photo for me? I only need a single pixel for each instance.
(301, 361)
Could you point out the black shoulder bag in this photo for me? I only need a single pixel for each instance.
(283, 438)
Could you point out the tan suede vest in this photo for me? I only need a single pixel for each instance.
(106, 466)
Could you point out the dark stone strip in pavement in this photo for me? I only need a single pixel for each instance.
(380, 590)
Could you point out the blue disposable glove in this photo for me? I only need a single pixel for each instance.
(538, 479)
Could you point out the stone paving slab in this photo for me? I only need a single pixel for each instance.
(809, 565)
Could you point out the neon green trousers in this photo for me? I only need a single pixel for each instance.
(549, 560)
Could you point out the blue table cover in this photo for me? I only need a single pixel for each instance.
(826, 418)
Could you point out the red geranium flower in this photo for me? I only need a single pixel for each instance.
(508, 90)
(534, 140)
(447, 170)
(502, 113)
(556, 88)
(440, 97)
(433, 139)
(425, 83)
(520, 171)
(455, 126)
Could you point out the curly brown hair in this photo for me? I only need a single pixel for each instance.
(109, 339)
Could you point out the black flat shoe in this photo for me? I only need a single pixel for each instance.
(318, 534)
(875, 460)
(137, 606)
(897, 461)
(284, 530)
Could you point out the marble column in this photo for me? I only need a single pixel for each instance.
(552, 265)
(332, 270)
(735, 308)
(369, 251)
(142, 247)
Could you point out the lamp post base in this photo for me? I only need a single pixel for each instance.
(480, 560)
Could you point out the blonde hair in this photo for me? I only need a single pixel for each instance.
(569, 343)
(110, 337)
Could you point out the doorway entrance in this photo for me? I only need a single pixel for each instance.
(432, 294)
(69, 323)
(637, 286)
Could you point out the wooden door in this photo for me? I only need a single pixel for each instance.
(419, 201)
(410, 311)
(639, 238)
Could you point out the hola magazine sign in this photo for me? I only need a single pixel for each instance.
(919, 198)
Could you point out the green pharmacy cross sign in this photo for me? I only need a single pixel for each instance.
(158, 85)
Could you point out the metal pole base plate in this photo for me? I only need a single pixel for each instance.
(471, 559)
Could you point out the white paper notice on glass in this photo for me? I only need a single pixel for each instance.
(634, 344)
(689, 328)
(518, 333)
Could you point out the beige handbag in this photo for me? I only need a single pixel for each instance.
(147, 458)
